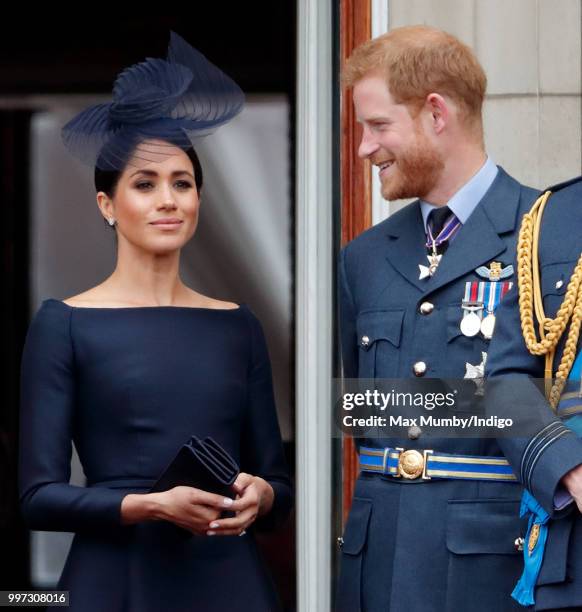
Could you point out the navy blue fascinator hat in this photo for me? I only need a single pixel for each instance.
(157, 105)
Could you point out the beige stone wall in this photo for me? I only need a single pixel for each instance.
(531, 52)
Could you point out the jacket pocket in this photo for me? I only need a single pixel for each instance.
(379, 334)
(555, 563)
(484, 563)
(349, 597)
(555, 278)
(454, 318)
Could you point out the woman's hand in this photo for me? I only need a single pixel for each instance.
(254, 498)
(188, 507)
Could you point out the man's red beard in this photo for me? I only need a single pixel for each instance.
(414, 173)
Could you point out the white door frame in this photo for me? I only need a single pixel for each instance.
(315, 304)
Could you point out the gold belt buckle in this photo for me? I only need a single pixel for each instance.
(412, 464)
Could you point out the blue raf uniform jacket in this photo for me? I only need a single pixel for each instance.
(416, 545)
(543, 459)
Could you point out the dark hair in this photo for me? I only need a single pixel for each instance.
(106, 180)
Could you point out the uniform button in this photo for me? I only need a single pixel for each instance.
(426, 308)
(414, 432)
(419, 368)
(518, 543)
(559, 284)
(365, 341)
(340, 542)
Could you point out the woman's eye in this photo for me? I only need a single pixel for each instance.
(147, 185)
(143, 185)
(183, 185)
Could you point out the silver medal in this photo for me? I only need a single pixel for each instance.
(470, 325)
(427, 271)
(488, 325)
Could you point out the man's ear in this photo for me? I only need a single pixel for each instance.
(439, 111)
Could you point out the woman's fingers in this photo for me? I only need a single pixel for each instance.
(233, 526)
(243, 480)
(205, 498)
(195, 509)
(249, 497)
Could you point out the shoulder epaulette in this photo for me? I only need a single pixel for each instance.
(559, 186)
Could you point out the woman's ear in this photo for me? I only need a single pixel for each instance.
(105, 206)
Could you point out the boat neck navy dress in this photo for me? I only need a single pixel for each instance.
(129, 386)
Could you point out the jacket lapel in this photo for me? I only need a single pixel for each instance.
(406, 244)
(478, 241)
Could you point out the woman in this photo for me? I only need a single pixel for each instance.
(133, 367)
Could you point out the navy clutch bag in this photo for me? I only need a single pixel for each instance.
(202, 464)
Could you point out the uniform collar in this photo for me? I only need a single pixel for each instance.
(477, 244)
(463, 203)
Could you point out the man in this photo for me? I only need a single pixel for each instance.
(413, 305)
(548, 456)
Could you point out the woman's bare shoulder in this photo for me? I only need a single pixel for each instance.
(100, 297)
(94, 297)
(197, 300)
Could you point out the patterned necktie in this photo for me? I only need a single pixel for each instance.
(442, 225)
(437, 218)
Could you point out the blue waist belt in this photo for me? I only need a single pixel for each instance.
(428, 465)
